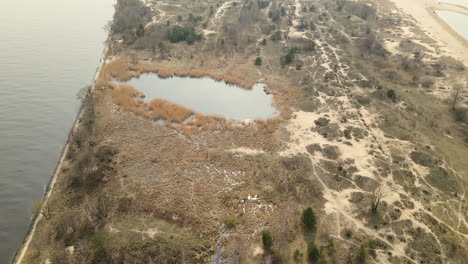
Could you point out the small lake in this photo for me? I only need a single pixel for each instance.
(457, 21)
(208, 96)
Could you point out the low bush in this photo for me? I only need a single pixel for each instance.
(231, 222)
(297, 255)
(313, 252)
(362, 254)
(427, 82)
(461, 114)
(99, 243)
(267, 240)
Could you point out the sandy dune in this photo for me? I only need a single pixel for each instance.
(423, 12)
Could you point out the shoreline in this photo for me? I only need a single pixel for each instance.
(24, 246)
(423, 12)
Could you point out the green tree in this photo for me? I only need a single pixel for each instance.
(258, 61)
(267, 240)
(289, 58)
(140, 32)
(178, 34)
(392, 95)
(276, 36)
(309, 219)
(313, 252)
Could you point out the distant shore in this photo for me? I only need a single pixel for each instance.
(423, 11)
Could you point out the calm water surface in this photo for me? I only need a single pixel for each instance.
(463, 3)
(208, 96)
(48, 50)
(457, 21)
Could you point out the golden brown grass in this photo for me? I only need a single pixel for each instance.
(162, 109)
(125, 95)
(174, 114)
(117, 68)
(122, 70)
(396, 75)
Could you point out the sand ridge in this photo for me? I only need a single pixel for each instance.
(423, 11)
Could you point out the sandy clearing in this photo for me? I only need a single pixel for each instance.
(246, 151)
(423, 11)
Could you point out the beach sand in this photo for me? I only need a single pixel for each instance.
(423, 11)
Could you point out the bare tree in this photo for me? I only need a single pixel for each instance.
(45, 211)
(95, 209)
(86, 163)
(456, 94)
(376, 198)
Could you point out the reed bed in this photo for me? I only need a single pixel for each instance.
(162, 109)
(117, 68)
(125, 95)
(176, 116)
(124, 71)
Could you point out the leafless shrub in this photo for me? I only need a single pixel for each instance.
(154, 35)
(376, 198)
(66, 226)
(461, 114)
(407, 63)
(439, 69)
(85, 163)
(83, 92)
(361, 10)
(418, 56)
(396, 75)
(427, 82)
(457, 88)
(95, 209)
(373, 44)
(125, 204)
(80, 135)
(45, 211)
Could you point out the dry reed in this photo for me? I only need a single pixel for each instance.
(175, 115)
(162, 109)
